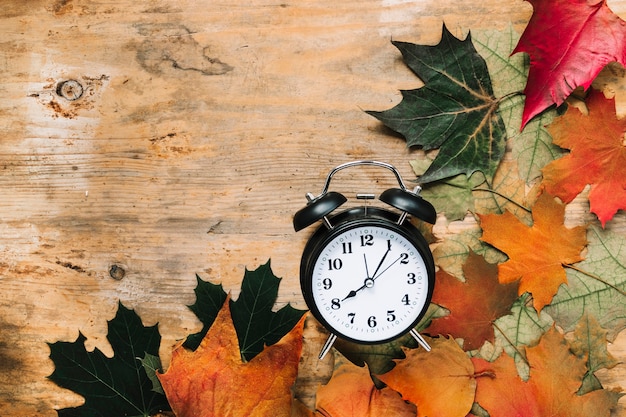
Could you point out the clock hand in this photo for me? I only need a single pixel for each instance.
(390, 265)
(382, 260)
(368, 282)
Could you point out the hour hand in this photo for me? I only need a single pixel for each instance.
(352, 293)
(369, 283)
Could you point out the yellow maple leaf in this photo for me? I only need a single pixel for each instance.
(537, 253)
(213, 381)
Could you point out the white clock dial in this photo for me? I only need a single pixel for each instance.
(370, 284)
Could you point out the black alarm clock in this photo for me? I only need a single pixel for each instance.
(367, 274)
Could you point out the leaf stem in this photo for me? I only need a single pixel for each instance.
(596, 277)
(519, 352)
(503, 196)
(509, 96)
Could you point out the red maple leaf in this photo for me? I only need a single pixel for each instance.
(569, 42)
(473, 304)
(597, 157)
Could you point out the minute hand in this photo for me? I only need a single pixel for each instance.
(390, 265)
(382, 260)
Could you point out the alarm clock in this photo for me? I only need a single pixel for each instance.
(367, 274)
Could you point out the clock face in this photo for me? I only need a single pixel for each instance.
(371, 283)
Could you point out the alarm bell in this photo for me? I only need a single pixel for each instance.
(409, 202)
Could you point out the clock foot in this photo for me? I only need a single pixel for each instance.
(329, 343)
(422, 342)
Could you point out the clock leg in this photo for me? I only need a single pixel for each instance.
(422, 342)
(329, 343)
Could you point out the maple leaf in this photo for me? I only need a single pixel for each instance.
(597, 157)
(532, 146)
(213, 380)
(597, 286)
(452, 196)
(589, 344)
(569, 42)
(473, 304)
(209, 300)
(352, 393)
(551, 389)
(256, 323)
(454, 112)
(452, 253)
(117, 386)
(439, 382)
(536, 254)
(523, 327)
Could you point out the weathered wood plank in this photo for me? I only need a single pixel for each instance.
(200, 126)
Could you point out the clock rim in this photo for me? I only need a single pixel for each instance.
(350, 219)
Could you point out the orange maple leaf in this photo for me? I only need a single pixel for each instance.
(473, 304)
(597, 157)
(551, 390)
(352, 393)
(536, 254)
(439, 382)
(213, 381)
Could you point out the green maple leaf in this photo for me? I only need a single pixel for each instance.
(454, 112)
(255, 323)
(532, 147)
(209, 299)
(597, 285)
(117, 386)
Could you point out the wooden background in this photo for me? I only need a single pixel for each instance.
(200, 127)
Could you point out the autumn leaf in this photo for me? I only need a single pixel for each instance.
(439, 382)
(213, 380)
(379, 358)
(569, 42)
(537, 253)
(532, 146)
(589, 344)
(116, 386)
(352, 393)
(209, 300)
(256, 323)
(452, 253)
(523, 327)
(597, 157)
(551, 389)
(454, 112)
(451, 196)
(597, 286)
(473, 304)
(506, 192)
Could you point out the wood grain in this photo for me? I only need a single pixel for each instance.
(199, 128)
